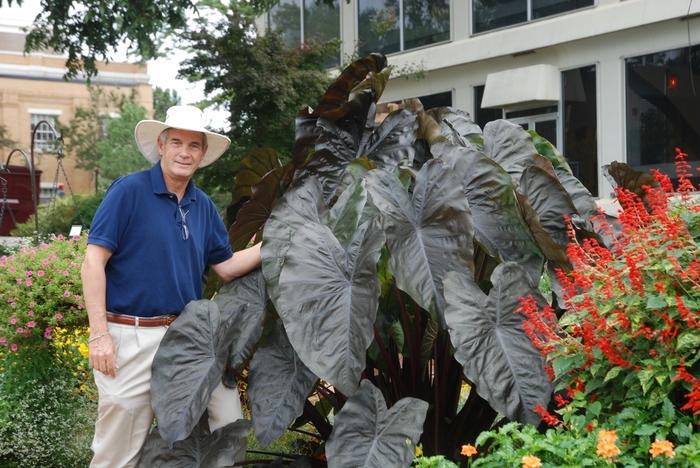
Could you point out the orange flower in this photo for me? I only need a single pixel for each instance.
(606, 444)
(661, 447)
(468, 450)
(531, 461)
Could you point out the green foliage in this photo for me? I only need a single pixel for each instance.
(118, 153)
(40, 289)
(258, 80)
(44, 422)
(88, 31)
(59, 216)
(163, 99)
(5, 140)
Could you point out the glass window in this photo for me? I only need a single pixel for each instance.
(285, 20)
(579, 119)
(436, 100)
(300, 21)
(542, 8)
(663, 108)
(322, 24)
(425, 22)
(44, 136)
(493, 14)
(484, 116)
(389, 26)
(378, 26)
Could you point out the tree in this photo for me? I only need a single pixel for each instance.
(163, 99)
(87, 31)
(118, 153)
(5, 140)
(257, 79)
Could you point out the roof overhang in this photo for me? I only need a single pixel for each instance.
(523, 88)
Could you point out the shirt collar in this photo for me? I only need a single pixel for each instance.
(159, 188)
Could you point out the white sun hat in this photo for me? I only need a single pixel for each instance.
(183, 118)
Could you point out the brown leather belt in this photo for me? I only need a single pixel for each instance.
(159, 321)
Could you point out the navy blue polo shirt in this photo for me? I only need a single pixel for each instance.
(154, 269)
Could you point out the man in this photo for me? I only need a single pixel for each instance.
(149, 244)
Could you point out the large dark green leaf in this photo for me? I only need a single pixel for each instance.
(188, 366)
(580, 196)
(498, 223)
(254, 166)
(550, 201)
(277, 387)
(428, 233)
(552, 251)
(243, 300)
(510, 146)
(623, 175)
(392, 141)
(455, 124)
(221, 448)
(328, 298)
(348, 212)
(491, 345)
(366, 434)
(549, 151)
(301, 204)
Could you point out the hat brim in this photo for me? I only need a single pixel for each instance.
(147, 131)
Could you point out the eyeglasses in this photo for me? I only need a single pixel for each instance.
(183, 222)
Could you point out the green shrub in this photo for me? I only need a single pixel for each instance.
(58, 217)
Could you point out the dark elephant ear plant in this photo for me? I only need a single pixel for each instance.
(394, 255)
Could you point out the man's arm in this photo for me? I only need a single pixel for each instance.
(102, 354)
(242, 262)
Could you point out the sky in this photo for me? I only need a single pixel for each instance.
(162, 71)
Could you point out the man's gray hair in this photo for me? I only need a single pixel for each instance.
(163, 137)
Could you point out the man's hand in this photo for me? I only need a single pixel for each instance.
(102, 355)
(242, 263)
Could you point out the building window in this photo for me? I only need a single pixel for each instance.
(44, 137)
(494, 14)
(436, 100)
(663, 108)
(579, 120)
(483, 116)
(301, 21)
(389, 26)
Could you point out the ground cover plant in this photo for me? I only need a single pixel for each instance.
(394, 256)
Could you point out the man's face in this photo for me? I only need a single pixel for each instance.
(181, 153)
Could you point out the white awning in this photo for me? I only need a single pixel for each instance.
(523, 88)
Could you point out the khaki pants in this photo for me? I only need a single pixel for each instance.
(124, 414)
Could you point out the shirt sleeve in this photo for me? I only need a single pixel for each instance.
(218, 249)
(111, 217)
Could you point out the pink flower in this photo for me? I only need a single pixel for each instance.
(31, 324)
(45, 262)
(40, 273)
(13, 320)
(59, 316)
(47, 333)
(11, 269)
(18, 280)
(28, 282)
(66, 293)
(28, 273)
(64, 272)
(13, 348)
(59, 237)
(20, 330)
(77, 297)
(3, 340)
(30, 313)
(13, 305)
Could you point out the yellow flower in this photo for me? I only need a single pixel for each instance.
(661, 447)
(419, 451)
(531, 461)
(84, 351)
(468, 450)
(606, 444)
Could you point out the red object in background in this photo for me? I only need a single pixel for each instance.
(19, 205)
(672, 82)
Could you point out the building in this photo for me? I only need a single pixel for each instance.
(605, 80)
(32, 89)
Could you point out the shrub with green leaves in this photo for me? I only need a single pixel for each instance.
(59, 216)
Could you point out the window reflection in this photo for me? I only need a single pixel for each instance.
(425, 22)
(663, 107)
(378, 26)
(285, 20)
(542, 8)
(493, 14)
